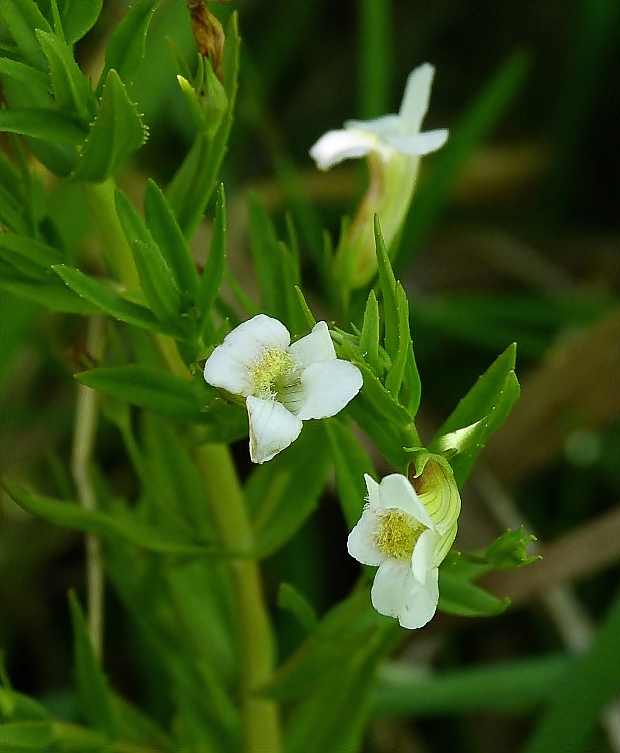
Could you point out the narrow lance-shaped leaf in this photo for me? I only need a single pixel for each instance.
(396, 374)
(125, 50)
(213, 271)
(167, 234)
(22, 19)
(369, 340)
(78, 18)
(116, 133)
(40, 123)
(387, 282)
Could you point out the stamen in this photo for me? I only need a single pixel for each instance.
(271, 374)
(397, 533)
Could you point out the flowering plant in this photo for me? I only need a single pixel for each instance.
(180, 363)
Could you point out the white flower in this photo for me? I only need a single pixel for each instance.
(389, 134)
(393, 145)
(397, 533)
(282, 384)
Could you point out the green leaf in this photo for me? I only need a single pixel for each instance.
(23, 73)
(115, 134)
(213, 271)
(308, 316)
(166, 233)
(164, 393)
(510, 550)
(158, 285)
(34, 251)
(79, 17)
(507, 687)
(396, 374)
(125, 50)
(45, 124)
(369, 340)
(384, 434)
(387, 282)
(458, 595)
(72, 93)
(120, 525)
(192, 186)
(19, 707)
(23, 18)
(351, 463)
(298, 473)
(110, 302)
(290, 599)
(485, 407)
(265, 253)
(94, 697)
(589, 685)
(55, 297)
(380, 399)
(26, 737)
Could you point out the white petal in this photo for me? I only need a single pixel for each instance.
(420, 604)
(422, 557)
(416, 96)
(396, 593)
(388, 125)
(272, 428)
(227, 366)
(374, 500)
(327, 388)
(395, 490)
(419, 143)
(335, 146)
(360, 543)
(316, 347)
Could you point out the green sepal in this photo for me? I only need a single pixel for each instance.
(44, 124)
(508, 551)
(458, 595)
(125, 51)
(93, 695)
(351, 463)
(72, 93)
(121, 525)
(115, 134)
(289, 475)
(485, 407)
(166, 233)
(78, 18)
(293, 601)
(213, 272)
(192, 186)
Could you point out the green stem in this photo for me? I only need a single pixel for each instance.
(260, 715)
(100, 199)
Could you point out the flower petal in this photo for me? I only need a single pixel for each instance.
(227, 366)
(374, 500)
(335, 146)
(419, 143)
(316, 347)
(388, 125)
(327, 388)
(395, 490)
(396, 593)
(360, 543)
(416, 96)
(272, 428)
(420, 604)
(422, 557)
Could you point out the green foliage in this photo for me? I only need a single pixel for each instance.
(117, 131)
(509, 550)
(78, 17)
(458, 595)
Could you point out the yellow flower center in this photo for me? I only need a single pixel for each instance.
(271, 373)
(397, 533)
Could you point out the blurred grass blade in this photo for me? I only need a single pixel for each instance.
(507, 687)
(591, 683)
(473, 128)
(375, 49)
(26, 737)
(215, 266)
(93, 695)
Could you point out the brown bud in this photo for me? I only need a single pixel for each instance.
(208, 33)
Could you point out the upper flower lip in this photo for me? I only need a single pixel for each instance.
(388, 134)
(310, 381)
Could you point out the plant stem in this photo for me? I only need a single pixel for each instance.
(100, 199)
(84, 433)
(260, 716)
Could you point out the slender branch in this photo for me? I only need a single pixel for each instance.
(260, 715)
(85, 429)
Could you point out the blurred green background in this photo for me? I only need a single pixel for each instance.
(512, 236)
